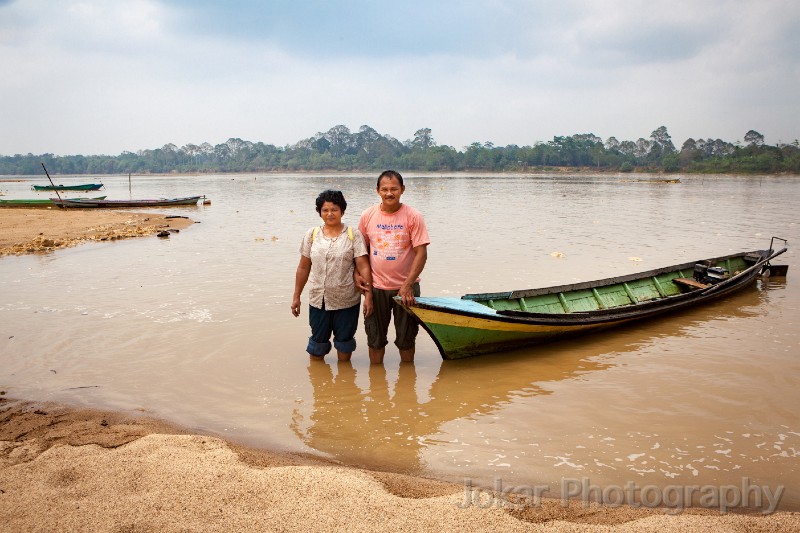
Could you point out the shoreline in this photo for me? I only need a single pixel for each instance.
(528, 172)
(76, 468)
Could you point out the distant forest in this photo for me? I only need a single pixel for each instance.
(339, 149)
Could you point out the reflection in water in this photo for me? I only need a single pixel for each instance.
(364, 427)
(605, 407)
(389, 427)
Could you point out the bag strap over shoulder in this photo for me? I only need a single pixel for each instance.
(316, 230)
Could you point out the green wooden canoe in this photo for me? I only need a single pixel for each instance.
(80, 187)
(490, 322)
(84, 203)
(35, 202)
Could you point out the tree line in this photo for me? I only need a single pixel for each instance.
(340, 149)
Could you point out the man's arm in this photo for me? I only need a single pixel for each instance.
(406, 291)
(362, 268)
(363, 283)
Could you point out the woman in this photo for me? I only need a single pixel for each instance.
(328, 256)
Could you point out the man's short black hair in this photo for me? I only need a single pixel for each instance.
(390, 174)
(335, 197)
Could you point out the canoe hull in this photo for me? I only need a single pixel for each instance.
(35, 202)
(483, 323)
(460, 336)
(27, 203)
(81, 203)
(81, 187)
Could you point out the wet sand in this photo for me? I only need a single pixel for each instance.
(65, 468)
(25, 231)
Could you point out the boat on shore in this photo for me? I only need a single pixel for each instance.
(84, 203)
(36, 202)
(81, 187)
(483, 323)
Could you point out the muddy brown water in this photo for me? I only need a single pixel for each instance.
(197, 329)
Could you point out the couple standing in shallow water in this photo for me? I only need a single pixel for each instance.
(383, 258)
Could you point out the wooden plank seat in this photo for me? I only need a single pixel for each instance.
(688, 283)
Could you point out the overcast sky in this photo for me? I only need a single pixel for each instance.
(103, 76)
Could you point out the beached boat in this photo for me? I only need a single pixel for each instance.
(81, 187)
(36, 202)
(483, 323)
(162, 202)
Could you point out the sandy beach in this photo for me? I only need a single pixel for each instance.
(65, 468)
(25, 231)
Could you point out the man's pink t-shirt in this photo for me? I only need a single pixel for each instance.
(392, 238)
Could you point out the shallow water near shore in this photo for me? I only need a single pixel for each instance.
(197, 329)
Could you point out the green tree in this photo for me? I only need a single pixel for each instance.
(423, 139)
(754, 139)
(660, 145)
(341, 140)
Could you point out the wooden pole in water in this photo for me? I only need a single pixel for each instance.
(51, 182)
(130, 193)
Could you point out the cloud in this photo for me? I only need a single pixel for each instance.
(365, 28)
(101, 77)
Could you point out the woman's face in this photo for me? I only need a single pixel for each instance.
(331, 214)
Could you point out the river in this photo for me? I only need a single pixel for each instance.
(197, 329)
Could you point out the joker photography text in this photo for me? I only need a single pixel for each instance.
(676, 498)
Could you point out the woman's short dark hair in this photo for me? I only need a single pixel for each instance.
(335, 197)
(390, 174)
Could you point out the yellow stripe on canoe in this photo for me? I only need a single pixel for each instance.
(431, 316)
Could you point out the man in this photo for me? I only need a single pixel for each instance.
(397, 240)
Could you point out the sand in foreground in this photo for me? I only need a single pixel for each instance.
(64, 469)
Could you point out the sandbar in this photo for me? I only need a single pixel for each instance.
(25, 231)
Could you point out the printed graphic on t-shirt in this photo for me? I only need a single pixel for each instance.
(392, 242)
